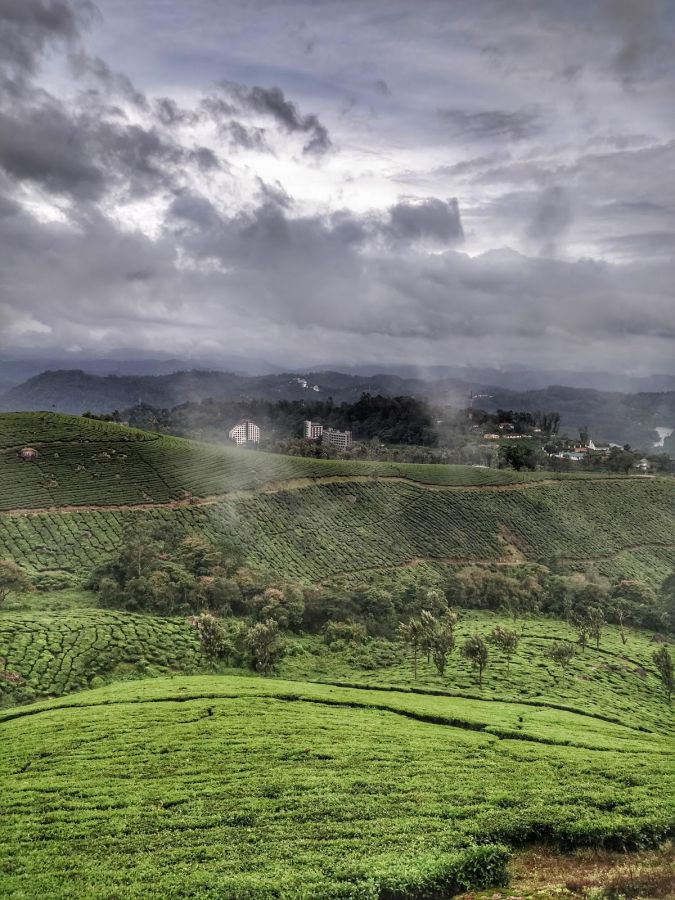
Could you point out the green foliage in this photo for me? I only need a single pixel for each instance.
(170, 575)
(55, 654)
(412, 634)
(520, 454)
(475, 650)
(265, 645)
(365, 792)
(213, 636)
(562, 653)
(442, 644)
(12, 579)
(664, 664)
(320, 519)
(345, 633)
(285, 605)
(506, 641)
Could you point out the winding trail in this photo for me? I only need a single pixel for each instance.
(293, 484)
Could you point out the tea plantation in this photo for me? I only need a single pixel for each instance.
(210, 786)
(65, 511)
(134, 766)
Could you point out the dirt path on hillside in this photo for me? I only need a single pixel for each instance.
(277, 487)
(512, 557)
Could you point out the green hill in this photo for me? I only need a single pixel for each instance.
(65, 510)
(210, 787)
(340, 778)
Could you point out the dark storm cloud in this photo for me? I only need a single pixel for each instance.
(272, 102)
(559, 141)
(494, 124)
(169, 113)
(27, 27)
(431, 218)
(46, 146)
(51, 147)
(246, 137)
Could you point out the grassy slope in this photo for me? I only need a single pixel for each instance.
(60, 642)
(86, 462)
(314, 518)
(165, 788)
(227, 779)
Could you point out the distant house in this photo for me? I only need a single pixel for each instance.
(245, 433)
(28, 453)
(643, 465)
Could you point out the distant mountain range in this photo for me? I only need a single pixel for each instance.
(610, 416)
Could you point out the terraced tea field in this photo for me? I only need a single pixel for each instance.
(58, 653)
(346, 527)
(82, 462)
(209, 786)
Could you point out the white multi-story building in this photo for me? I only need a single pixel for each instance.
(245, 433)
(313, 430)
(340, 439)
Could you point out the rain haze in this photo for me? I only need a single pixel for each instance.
(470, 183)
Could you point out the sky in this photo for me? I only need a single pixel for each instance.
(460, 182)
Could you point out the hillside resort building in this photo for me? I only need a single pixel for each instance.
(245, 433)
(340, 439)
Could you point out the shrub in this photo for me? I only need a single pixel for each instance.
(346, 632)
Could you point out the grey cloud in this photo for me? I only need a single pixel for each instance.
(55, 149)
(551, 219)
(169, 113)
(84, 65)
(45, 146)
(639, 25)
(382, 87)
(431, 218)
(246, 137)
(27, 27)
(272, 102)
(205, 159)
(489, 125)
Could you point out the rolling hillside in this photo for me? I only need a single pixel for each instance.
(371, 794)
(313, 519)
(154, 771)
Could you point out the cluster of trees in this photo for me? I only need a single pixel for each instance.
(434, 637)
(547, 423)
(392, 420)
(170, 573)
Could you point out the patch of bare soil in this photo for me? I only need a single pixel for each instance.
(586, 874)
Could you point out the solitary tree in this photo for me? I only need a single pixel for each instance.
(562, 653)
(664, 663)
(213, 636)
(506, 641)
(621, 615)
(429, 625)
(476, 651)
(12, 578)
(595, 619)
(442, 646)
(265, 645)
(582, 632)
(412, 633)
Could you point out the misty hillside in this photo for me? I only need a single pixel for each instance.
(610, 416)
